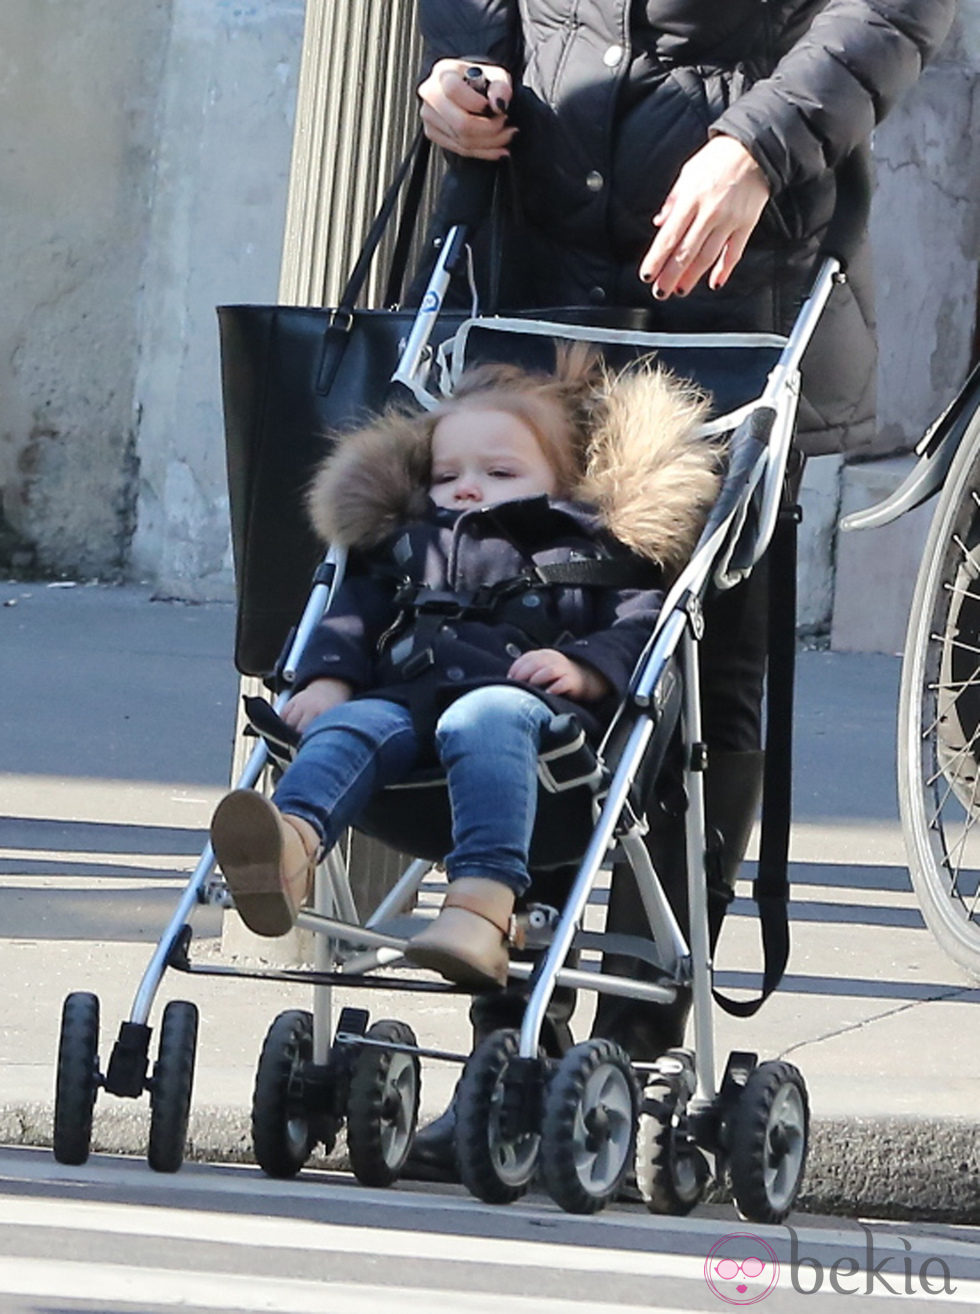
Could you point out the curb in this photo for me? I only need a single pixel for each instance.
(901, 1169)
(910, 1169)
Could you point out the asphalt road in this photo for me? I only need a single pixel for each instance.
(112, 1237)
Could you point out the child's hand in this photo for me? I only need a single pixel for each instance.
(318, 696)
(558, 674)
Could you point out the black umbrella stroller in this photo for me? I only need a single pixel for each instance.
(581, 1123)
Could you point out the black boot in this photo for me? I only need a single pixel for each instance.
(733, 786)
(733, 791)
(432, 1157)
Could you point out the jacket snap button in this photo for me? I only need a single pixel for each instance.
(531, 600)
(455, 673)
(512, 650)
(594, 181)
(612, 56)
(597, 295)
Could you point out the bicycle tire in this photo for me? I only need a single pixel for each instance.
(939, 716)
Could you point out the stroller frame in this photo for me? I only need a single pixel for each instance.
(701, 1113)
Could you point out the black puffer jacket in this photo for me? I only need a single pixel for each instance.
(613, 97)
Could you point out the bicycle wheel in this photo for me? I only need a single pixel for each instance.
(939, 716)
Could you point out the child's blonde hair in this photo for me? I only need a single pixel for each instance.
(626, 442)
(557, 408)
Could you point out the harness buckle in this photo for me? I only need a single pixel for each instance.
(417, 663)
(432, 602)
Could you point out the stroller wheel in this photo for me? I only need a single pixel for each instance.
(283, 1133)
(671, 1171)
(589, 1131)
(496, 1160)
(77, 1080)
(769, 1142)
(383, 1105)
(170, 1089)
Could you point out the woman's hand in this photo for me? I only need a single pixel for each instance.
(318, 696)
(706, 220)
(468, 115)
(558, 674)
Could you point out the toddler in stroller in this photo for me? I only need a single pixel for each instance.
(508, 551)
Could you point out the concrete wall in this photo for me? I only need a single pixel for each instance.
(221, 171)
(143, 169)
(79, 94)
(926, 234)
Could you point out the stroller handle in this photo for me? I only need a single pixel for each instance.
(468, 192)
(413, 364)
(850, 218)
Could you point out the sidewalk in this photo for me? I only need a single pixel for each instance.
(116, 728)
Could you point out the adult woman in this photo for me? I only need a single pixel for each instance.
(724, 126)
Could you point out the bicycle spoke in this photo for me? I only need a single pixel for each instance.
(968, 556)
(958, 591)
(939, 714)
(957, 644)
(964, 752)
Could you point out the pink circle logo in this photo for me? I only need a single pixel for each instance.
(741, 1269)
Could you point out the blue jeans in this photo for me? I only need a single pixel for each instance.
(487, 742)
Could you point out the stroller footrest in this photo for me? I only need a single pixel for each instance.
(624, 946)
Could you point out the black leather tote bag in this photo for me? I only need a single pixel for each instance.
(291, 376)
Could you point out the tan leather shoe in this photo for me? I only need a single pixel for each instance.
(268, 860)
(467, 942)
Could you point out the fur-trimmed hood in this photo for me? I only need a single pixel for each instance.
(649, 476)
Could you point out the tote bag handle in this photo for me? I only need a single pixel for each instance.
(416, 163)
(477, 189)
(479, 184)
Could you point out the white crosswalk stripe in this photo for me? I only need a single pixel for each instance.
(231, 1240)
(244, 1294)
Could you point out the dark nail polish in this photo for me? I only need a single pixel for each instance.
(682, 292)
(501, 104)
(659, 294)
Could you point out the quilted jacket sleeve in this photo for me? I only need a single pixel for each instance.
(834, 84)
(470, 29)
(343, 645)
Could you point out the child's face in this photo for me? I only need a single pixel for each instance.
(482, 457)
